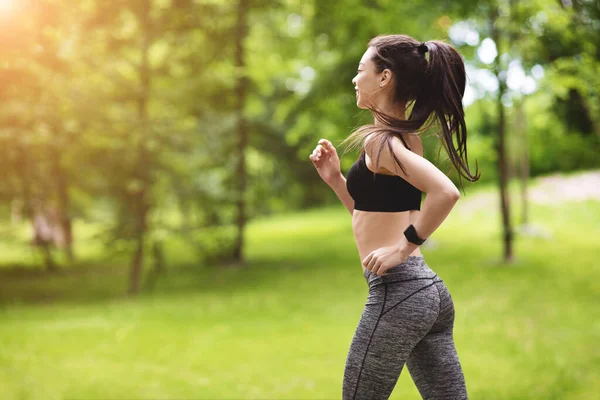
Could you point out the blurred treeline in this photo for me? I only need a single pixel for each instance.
(180, 118)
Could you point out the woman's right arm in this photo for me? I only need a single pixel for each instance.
(327, 163)
(339, 187)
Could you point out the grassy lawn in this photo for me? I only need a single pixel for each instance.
(281, 328)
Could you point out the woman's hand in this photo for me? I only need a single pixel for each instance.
(384, 258)
(326, 161)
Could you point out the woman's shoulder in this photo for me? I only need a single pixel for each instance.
(409, 141)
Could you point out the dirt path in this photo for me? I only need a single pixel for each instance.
(551, 189)
(555, 189)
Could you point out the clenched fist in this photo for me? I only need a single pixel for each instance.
(325, 159)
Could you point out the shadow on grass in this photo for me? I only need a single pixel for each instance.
(102, 282)
(273, 251)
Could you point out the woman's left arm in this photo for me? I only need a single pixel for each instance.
(441, 196)
(441, 193)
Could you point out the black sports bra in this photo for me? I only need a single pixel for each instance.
(380, 192)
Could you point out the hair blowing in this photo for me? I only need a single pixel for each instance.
(434, 88)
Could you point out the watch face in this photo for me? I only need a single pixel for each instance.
(411, 235)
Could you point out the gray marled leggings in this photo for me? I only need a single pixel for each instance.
(408, 318)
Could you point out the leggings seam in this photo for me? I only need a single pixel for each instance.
(415, 292)
(368, 344)
(413, 279)
(440, 296)
(405, 280)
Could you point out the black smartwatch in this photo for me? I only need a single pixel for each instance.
(411, 235)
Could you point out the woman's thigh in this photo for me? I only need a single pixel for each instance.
(433, 364)
(396, 317)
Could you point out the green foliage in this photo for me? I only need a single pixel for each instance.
(74, 78)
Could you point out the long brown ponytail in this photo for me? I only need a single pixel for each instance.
(434, 89)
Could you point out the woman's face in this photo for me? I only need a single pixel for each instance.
(367, 82)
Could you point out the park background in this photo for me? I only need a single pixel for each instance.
(164, 235)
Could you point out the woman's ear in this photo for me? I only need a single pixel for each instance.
(386, 77)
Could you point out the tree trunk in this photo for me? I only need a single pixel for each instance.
(47, 256)
(502, 165)
(158, 265)
(141, 197)
(43, 227)
(62, 190)
(517, 37)
(524, 168)
(242, 126)
(136, 265)
(33, 211)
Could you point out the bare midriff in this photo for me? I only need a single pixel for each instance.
(374, 229)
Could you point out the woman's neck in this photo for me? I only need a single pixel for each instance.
(396, 110)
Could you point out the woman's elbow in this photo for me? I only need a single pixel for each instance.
(452, 194)
(449, 194)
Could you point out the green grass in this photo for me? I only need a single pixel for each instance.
(281, 328)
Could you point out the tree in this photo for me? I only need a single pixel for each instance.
(242, 126)
(503, 178)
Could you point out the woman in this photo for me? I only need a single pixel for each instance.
(409, 313)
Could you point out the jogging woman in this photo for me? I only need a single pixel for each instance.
(408, 317)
